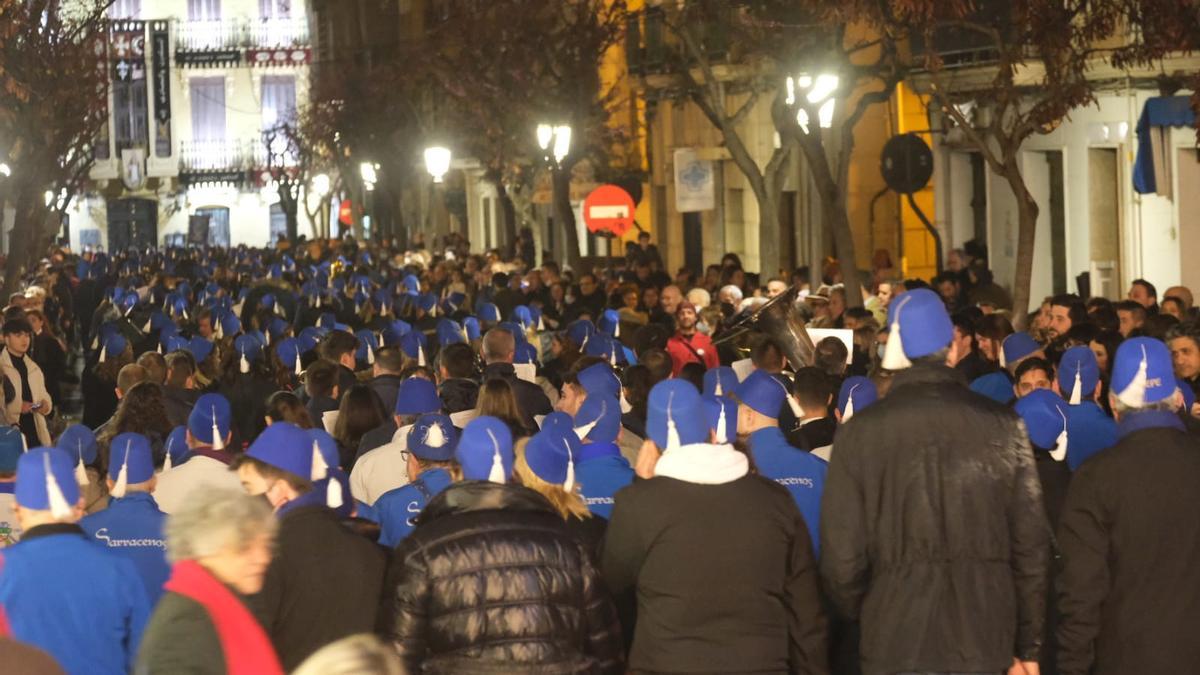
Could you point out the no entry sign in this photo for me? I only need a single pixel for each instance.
(608, 209)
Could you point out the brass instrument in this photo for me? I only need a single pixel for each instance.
(777, 319)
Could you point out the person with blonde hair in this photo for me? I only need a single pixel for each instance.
(219, 544)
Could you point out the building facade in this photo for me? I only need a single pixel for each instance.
(200, 94)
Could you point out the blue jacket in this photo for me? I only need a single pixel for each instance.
(600, 471)
(397, 509)
(802, 473)
(1089, 431)
(80, 603)
(132, 527)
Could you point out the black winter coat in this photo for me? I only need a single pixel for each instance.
(323, 584)
(459, 394)
(933, 530)
(180, 638)
(724, 575)
(491, 580)
(388, 388)
(531, 400)
(1129, 591)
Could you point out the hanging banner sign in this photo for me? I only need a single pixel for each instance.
(695, 182)
(160, 68)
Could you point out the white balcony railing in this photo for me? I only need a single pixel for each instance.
(232, 34)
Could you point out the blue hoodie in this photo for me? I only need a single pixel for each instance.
(600, 471)
(802, 473)
(80, 603)
(132, 527)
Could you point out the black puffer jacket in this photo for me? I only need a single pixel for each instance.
(933, 531)
(492, 581)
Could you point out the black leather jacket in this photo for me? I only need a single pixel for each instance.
(933, 531)
(492, 581)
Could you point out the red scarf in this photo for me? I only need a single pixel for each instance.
(247, 648)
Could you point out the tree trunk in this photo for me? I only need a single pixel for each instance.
(837, 219)
(768, 232)
(290, 203)
(21, 240)
(564, 216)
(1027, 215)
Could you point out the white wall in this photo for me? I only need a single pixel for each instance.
(1150, 247)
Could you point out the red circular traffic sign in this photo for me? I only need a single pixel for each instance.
(609, 209)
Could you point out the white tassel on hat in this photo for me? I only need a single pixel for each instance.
(244, 364)
(96, 341)
(333, 494)
(617, 330)
(122, 483)
(185, 314)
(849, 411)
(569, 482)
(541, 326)
(1077, 388)
(496, 475)
(434, 436)
(1134, 394)
(420, 355)
(626, 407)
(298, 370)
(791, 400)
(370, 355)
(722, 432)
(81, 476)
(1003, 361)
(24, 444)
(612, 358)
(158, 347)
(218, 441)
(894, 357)
(320, 470)
(1059, 453)
(219, 332)
(59, 508)
(167, 459)
(673, 442)
(717, 388)
(147, 326)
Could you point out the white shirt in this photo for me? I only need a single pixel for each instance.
(381, 470)
(175, 485)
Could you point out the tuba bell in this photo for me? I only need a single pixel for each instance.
(779, 320)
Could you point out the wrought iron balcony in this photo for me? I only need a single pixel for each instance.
(239, 34)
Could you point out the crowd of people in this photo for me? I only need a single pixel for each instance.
(341, 457)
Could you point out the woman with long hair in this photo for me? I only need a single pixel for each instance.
(497, 399)
(284, 406)
(361, 410)
(99, 382)
(990, 332)
(49, 352)
(544, 463)
(140, 411)
(247, 391)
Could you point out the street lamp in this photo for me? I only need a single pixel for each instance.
(321, 184)
(818, 92)
(369, 176)
(5, 170)
(555, 141)
(437, 162)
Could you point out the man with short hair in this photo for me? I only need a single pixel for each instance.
(1066, 311)
(1127, 591)
(341, 348)
(668, 303)
(689, 345)
(430, 467)
(1132, 316)
(499, 349)
(1184, 341)
(132, 525)
(155, 365)
(385, 375)
(179, 392)
(776, 286)
(325, 581)
(933, 513)
(130, 376)
(964, 357)
(1033, 374)
(209, 432)
(1184, 295)
(459, 390)
(1143, 293)
(81, 603)
(813, 389)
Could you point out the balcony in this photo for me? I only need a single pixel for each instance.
(230, 161)
(237, 35)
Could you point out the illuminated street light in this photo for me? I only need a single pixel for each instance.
(320, 184)
(555, 141)
(369, 175)
(437, 162)
(818, 92)
(5, 170)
